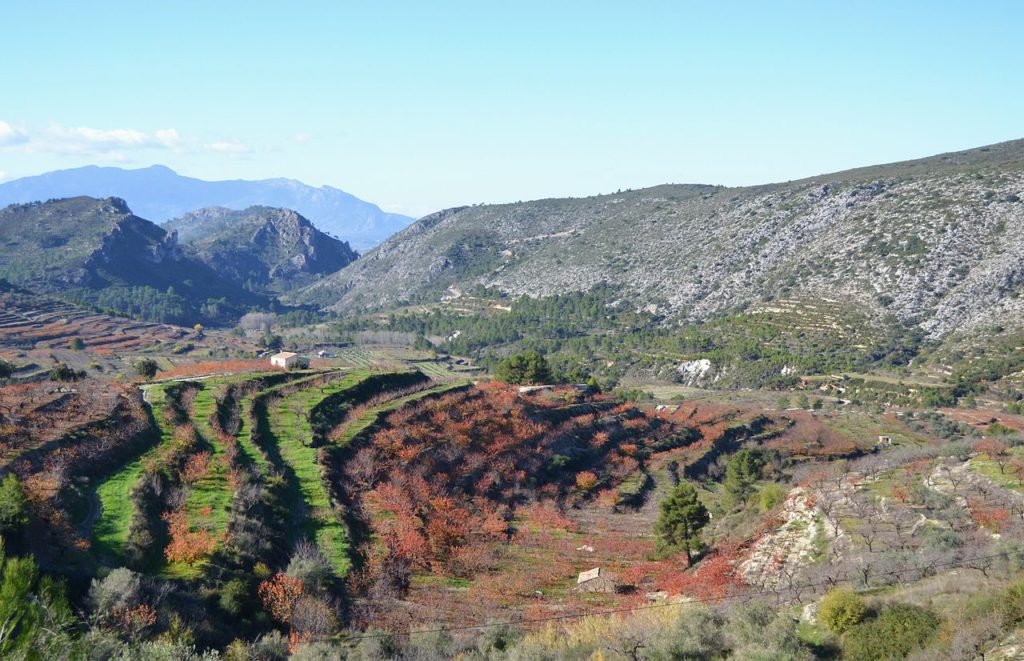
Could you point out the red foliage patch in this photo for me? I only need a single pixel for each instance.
(214, 367)
(809, 436)
(712, 580)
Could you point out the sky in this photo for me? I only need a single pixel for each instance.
(418, 106)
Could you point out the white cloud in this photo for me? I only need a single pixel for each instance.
(226, 147)
(3, 176)
(302, 137)
(106, 144)
(10, 135)
(167, 137)
(87, 140)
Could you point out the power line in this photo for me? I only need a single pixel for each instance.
(964, 562)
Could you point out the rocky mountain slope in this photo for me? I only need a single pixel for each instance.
(263, 248)
(937, 242)
(159, 193)
(98, 252)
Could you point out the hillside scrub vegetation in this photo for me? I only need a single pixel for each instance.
(486, 503)
(768, 460)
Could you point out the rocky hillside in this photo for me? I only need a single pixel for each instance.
(937, 242)
(98, 252)
(159, 193)
(263, 248)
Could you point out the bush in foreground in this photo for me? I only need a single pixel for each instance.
(897, 631)
(841, 609)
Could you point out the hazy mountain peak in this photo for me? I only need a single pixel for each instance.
(159, 193)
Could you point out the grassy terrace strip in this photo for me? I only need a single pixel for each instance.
(372, 416)
(248, 450)
(213, 490)
(113, 525)
(290, 431)
(247, 447)
(111, 530)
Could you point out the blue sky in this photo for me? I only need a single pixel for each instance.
(421, 105)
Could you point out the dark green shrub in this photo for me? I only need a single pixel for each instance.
(770, 496)
(898, 630)
(698, 634)
(13, 505)
(526, 367)
(273, 342)
(235, 597)
(146, 368)
(61, 372)
(761, 631)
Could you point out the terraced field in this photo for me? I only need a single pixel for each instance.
(282, 439)
(212, 490)
(114, 495)
(28, 320)
(373, 414)
(247, 448)
(290, 432)
(356, 358)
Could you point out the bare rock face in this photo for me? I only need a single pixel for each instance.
(937, 243)
(263, 248)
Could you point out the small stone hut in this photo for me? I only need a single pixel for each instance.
(596, 580)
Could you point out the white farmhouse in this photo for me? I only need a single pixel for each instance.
(287, 360)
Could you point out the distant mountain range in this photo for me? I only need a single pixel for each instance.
(99, 253)
(160, 194)
(937, 243)
(208, 266)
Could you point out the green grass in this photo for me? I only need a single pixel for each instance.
(213, 490)
(359, 358)
(290, 431)
(372, 415)
(435, 370)
(864, 428)
(247, 448)
(114, 494)
(820, 542)
(984, 465)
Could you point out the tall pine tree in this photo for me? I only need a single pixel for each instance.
(681, 519)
